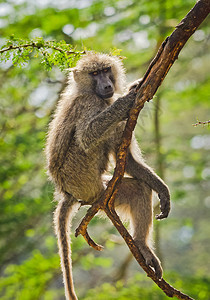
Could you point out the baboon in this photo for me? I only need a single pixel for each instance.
(86, 130)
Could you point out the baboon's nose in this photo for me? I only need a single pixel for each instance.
(108, 87)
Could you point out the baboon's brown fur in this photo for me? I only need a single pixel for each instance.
(85, 131)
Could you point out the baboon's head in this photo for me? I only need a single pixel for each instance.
(100, 74)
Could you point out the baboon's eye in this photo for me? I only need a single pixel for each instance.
(106, 70)
(94, 73)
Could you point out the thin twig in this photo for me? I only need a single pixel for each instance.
(38, 46)
(201, 123)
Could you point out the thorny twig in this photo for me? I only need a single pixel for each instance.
(201, 123)
(39, 45)
(158, 69)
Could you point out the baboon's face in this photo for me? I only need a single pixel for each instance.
(103, 82)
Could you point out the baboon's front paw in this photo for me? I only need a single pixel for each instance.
(164, 206)
(134, 84)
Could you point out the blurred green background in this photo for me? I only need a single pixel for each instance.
(179, 152)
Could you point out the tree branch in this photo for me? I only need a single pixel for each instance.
(39, 45)
(158, 69)
(201, 123)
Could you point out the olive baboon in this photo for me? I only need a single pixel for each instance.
(87, 129)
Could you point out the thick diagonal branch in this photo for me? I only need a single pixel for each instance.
(158, 69)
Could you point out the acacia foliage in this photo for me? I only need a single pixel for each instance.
(50, 53)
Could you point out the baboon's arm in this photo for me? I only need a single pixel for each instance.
(96, 129)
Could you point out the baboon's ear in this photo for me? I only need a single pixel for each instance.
(75, 74)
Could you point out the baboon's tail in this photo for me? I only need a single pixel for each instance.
(62, 220)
